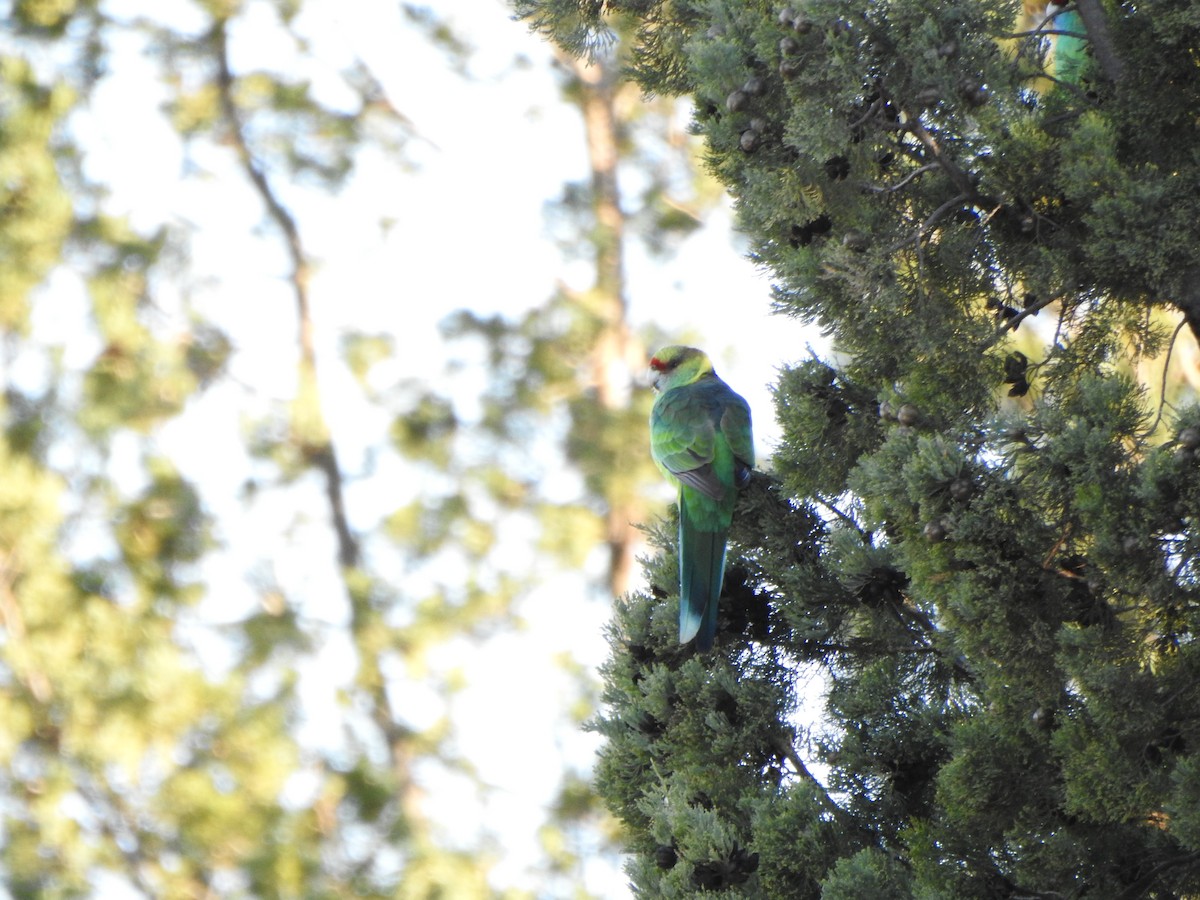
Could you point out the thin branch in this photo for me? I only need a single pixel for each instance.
(845, 517)
(1162, 389)
(1105, 52)
(1142, 886)
(929, 222)
(1057, 546)
(784, 747)
(913, 126)
(1045, 32)
(1011, 324)
(322, 455)
(1063, 315)
(890, 189)
(872, 110)
(935, 216)
(956, 175)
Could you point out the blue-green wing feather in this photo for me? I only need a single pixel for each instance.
(1070, 52)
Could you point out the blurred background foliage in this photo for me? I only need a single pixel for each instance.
(244, 683)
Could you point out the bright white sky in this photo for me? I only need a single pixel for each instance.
(468, 232)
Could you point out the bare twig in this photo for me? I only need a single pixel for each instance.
(844, 516)
(934, 217)
(1162, 389)
(322, 455)
(785, 748)
(1011, 324)
(872, 110)
(1057, 546)
(892, 188)
(1063, 314)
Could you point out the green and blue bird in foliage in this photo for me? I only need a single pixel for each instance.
(701, 440)
(1069, 42)
(1052, 32)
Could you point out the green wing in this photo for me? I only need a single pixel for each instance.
(735, 425)
(683, 440)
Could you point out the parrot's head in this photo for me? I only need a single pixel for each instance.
(675, 365)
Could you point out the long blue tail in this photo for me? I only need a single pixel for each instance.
(701, 570)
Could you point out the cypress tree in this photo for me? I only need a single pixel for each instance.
(977, 540)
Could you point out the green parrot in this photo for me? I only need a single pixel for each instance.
(1059, 41)
(1069, 54)
(700, 439)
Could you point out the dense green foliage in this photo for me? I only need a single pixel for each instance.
(979, 537)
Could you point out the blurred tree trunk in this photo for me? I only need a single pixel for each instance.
(615, 352)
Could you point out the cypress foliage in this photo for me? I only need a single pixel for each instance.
(978, 539)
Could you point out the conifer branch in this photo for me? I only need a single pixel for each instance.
(1143, 885)
(985, 659)
(953, 171)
